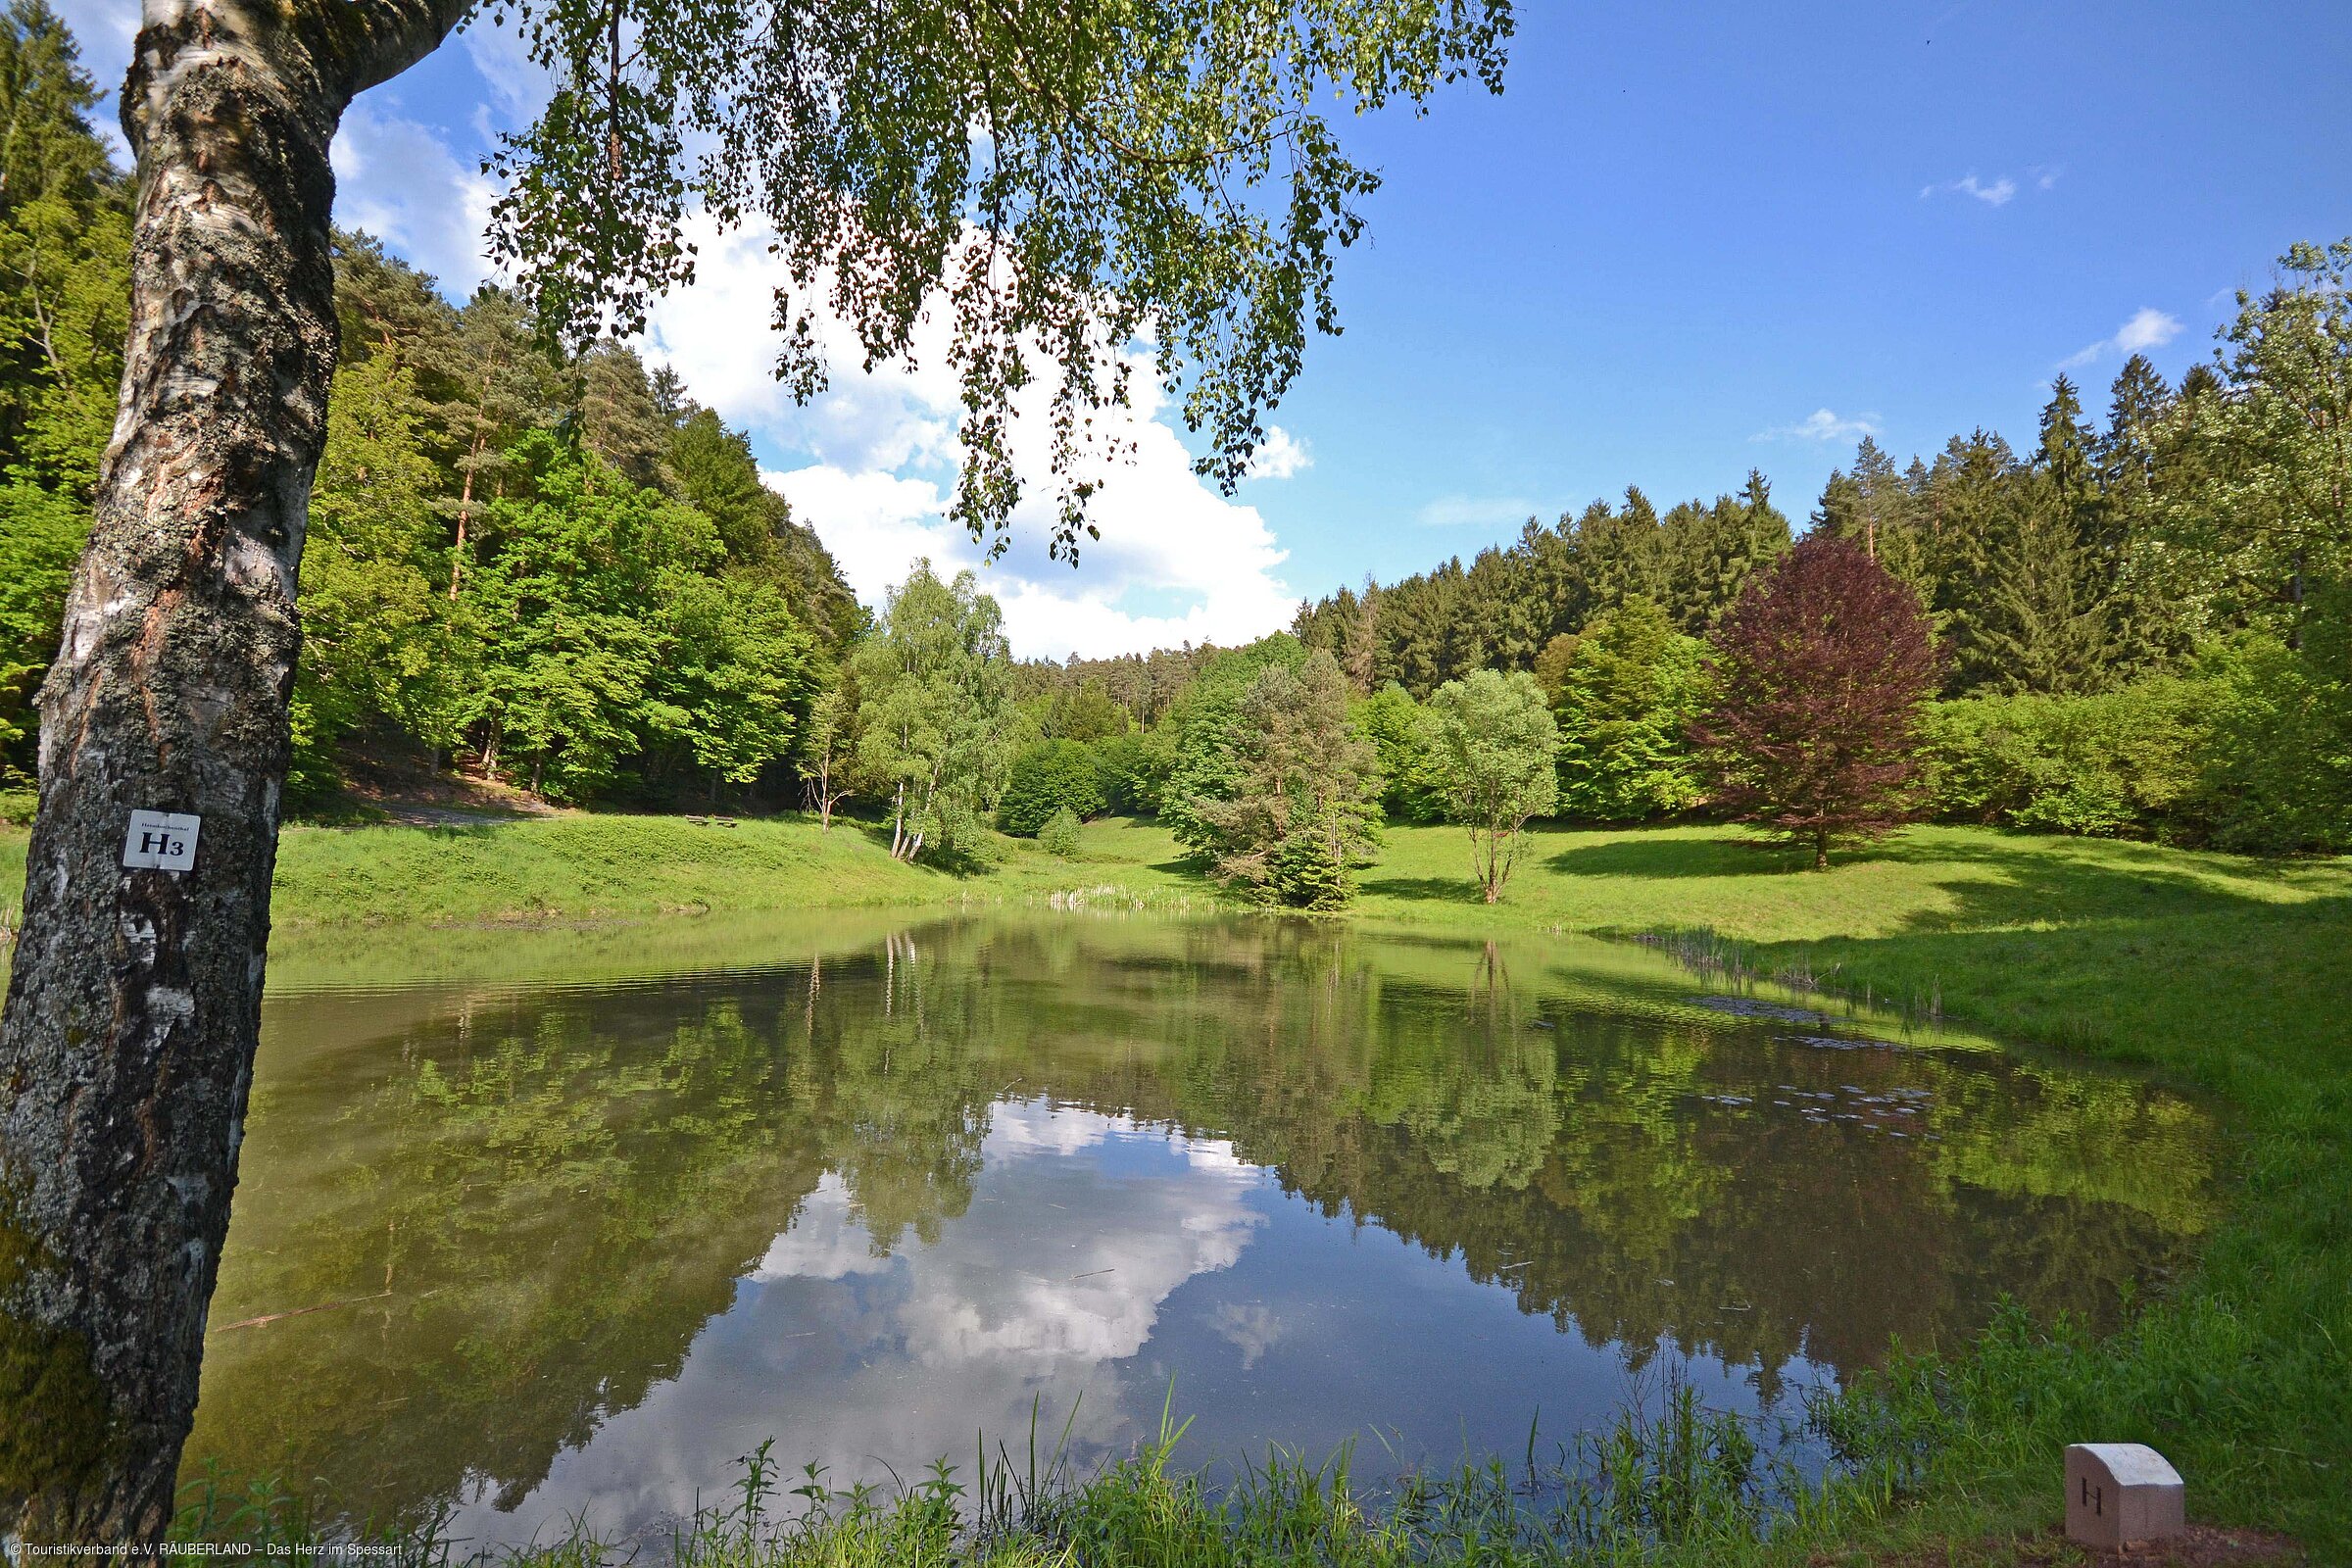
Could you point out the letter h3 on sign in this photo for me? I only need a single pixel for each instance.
(160, 841)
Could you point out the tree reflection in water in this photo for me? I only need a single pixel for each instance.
(592, 1242)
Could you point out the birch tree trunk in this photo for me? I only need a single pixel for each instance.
(127, 1044)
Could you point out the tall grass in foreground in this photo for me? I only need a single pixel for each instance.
(1683, 1484)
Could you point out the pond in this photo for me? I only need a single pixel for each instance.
(558, 1225)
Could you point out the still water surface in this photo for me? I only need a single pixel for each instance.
(542, 1246)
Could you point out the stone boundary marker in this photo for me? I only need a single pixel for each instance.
(2118, 1493)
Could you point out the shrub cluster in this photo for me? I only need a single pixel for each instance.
(2253, 751)
(1051, 776)
(1059, 835)
(2123, 762)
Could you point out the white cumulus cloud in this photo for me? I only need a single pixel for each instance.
(1280, 456)
(1047, 1287)
(2148, 328)
(1177, 561)
(1474, 512)
(1993, 193)
(826, 1241)
(1823, 424)
(520, 84)
(397, 181)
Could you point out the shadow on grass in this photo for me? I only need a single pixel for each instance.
(2032, 881)
(1988, 880)
(1424, 889)
(1661, 856)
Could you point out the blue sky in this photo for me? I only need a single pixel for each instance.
(1687, 240)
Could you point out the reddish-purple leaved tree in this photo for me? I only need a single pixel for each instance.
(1820, 670)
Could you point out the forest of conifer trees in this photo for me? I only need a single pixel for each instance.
(559, 572)
(2059, 571)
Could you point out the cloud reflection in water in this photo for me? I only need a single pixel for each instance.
(1080, 1227)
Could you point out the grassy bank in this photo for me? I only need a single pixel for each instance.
(573, 869)
(2230, 974)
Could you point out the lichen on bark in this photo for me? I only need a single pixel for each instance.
(63, 1431)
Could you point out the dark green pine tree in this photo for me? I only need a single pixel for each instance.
(671, 400)
(1363, 638)
(2015, 591)
(1890, 516)
(1346, 626)
(616, 415)
(1499, 617)
(1326, 624)
(1970, 498)
(1682, 546)
(386, 307)
(1590, 564)
(2070, 557)
(1619, 552)
(65, 252)
(47, 147)
(2151, 609)
(715, 473)
(1414, 620)
(2136, 404)
(1643, 535)
(1459, 642)
(1713, 549)
(2065, 450)
(2051, 625)
(1766, 531)
(1839, 513)
(1877, 507)
(1881, 503)
(1924, 520)
(1555, 587)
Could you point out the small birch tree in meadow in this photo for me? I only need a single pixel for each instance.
(1820, 669)
(934, 685)
(1496, 741)
(829, 748)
